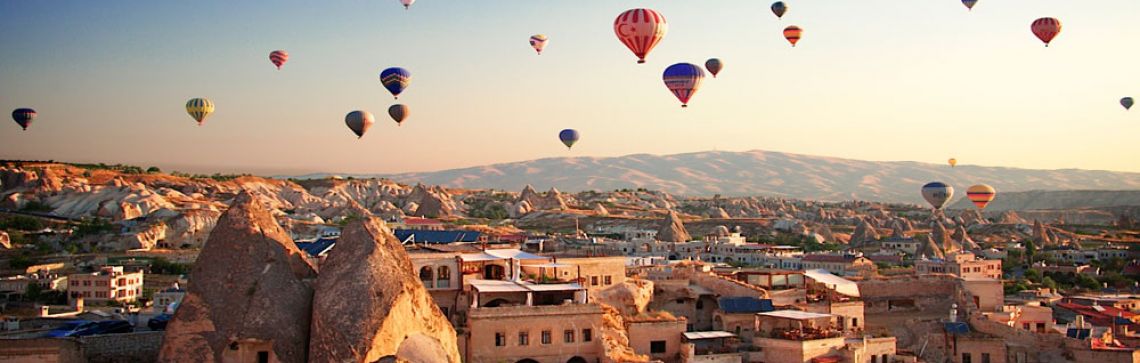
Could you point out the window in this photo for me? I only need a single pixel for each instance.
(657, 347)
(966, 358)
(524, 338)
(86, 282)
(700, 304)
(262, 357)
(609, 280)
(500, 339)
(568, 336)
(443, 278)
(426, 276)
(545, 337)
(985, 357)
(593, 281)
(886, 358)
(74, 282)
(587, 335)
(874, 358)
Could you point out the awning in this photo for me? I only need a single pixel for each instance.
(550, 265)
(477, 257)
(497, 286)
(795, 315)
(696, 335)
(515, 254)
(841, 285)
(553, 287)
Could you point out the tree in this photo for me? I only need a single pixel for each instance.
(1033, 275)
(1048, 282)
(1030, 250)
(153, 170)
(1087, 282)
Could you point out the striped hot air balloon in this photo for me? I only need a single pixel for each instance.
(395, 79)
(981, 195)
(1046, 29)
(937, 194)
(538, 41)
(683, 79)
(23, 117)
(640, 30)
(199, 109)
(278, 57)
(793, 34)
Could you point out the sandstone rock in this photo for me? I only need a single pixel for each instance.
(864, 232)
(388, 305)
(963, 239)
(1010, 217)
(630, 297)
(672, 229)
(5, 241)
(929, 248)
(720, 231)
(521, 208)
(250, 290)
(942, 238)
(718, 213)
(600, 210)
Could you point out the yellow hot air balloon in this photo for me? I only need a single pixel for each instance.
(953, 162)
(199, 109)
(981, 195)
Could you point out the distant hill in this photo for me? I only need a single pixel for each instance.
(764, 173)
(1057, 199)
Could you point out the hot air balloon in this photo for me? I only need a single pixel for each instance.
(953, 162)
(278, 57)
(1126, 102)
(792, 34)
(779, 8)
(640, 30)
(937, 194)
(981, 195)
(538, 41)
(1046, 29)
(683, 79)
(395, 79)
(714, 66)
(199, 109)
(398, 113)
(969, 4)
(24, 117)
(407, 3)
(568, 137)
(358, 122)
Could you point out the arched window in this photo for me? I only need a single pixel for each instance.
(426, 276)
(443, 277)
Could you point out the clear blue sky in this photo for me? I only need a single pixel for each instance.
(871, 79)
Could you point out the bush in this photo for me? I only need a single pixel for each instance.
(153, 170)
(93, 226)
(162, 266)
(36, 206)
(22, 223)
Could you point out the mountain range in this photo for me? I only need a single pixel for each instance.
(762, 173)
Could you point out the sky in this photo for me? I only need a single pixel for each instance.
(871, 79)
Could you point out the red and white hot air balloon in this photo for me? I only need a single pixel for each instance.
(640, 30)
(278, 57)
(1046, 29)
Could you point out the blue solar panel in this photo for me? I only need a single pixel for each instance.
(317, 247)
(958, 328)
(745, 304)
(426, 236)
(1078, 333)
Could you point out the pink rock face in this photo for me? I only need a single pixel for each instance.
(369, 304)
(249, 291)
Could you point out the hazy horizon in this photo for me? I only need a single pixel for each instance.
(875, 80)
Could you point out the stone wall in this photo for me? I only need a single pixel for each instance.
(642, 334)
(140, 347)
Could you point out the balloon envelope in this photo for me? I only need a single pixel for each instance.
(398, 113)
(1126, 102)
(969, 3)
(953, 162)
(1046, 29)
(538, 41)
(23, 117)
(683, 79)
(358, 122)
(199, 109)
(714, 66)
(407, 3)
(981, 195)
(640, 30)
(395, 79)
(793, 34)
(278, 57)
(568, 137)
(937, 194)
(779, 8)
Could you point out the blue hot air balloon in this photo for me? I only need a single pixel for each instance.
(568, 137)
(937, 194)
(779, 8)
(683, 79)
(395, 79)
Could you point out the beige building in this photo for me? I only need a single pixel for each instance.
(109, 284)
(658, 339)
(961, 264)
(789, 336)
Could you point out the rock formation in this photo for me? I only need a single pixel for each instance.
(521, 208)
(553, 199)
(672, 229)
(963, 239)
(600, 210)
(630, 298)
(369, 304)
(5, 241)
(1010, 217)
(929, 248)
(431, 202)
(942, 238)
(718, 213)
(864, 232)
(251, 291)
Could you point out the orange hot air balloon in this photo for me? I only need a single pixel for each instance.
(981, 195)
(792, 34)
(953, 162)
(1046, 29)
